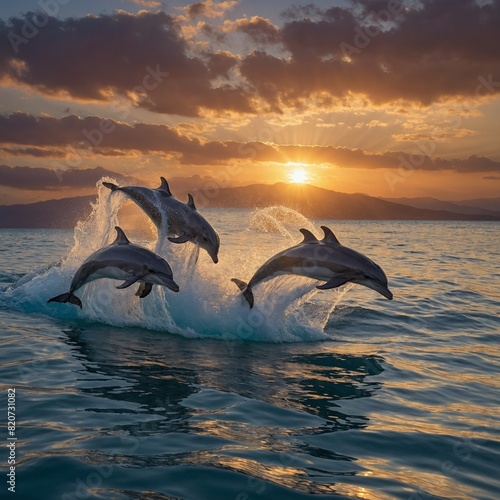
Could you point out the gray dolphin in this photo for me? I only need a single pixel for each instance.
(183, 219)
(324, 260)
(121, 260)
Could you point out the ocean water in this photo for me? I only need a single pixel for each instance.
(312, 394)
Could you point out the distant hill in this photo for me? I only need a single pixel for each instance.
(492, 204)
(180, 186)
(465, 207)
(62, 213)
(319, 203)
(312, 201)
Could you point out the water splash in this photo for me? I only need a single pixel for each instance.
(94, 232)
(287, 309)
(280, 219)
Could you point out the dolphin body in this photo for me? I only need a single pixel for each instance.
(121, 260)
(324, 260)
(183, 219)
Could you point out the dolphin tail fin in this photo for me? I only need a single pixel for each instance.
(110, 185)
(67, 297)
(247, 291)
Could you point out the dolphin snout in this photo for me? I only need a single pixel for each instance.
(172, 285)
(383, 290)
(378, 287)
(169, 283)
(213, 253)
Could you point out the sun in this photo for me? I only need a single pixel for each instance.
(298, 175)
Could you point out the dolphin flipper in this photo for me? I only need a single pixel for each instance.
(144, 290)
(180, 239)
(67, 297)
(247, 291)
(336, 281)
(129, 281)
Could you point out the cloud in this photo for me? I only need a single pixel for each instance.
(89, 133)
(376, 123)
(301, 11)
(93, 135)
(31, 151)
(422, 55)
(142, 57)
(209, 9)
(34, 179)
(152, 4)
(259, 29)
(371, 124)
(468, 165)
(389, 52)
(434, 134)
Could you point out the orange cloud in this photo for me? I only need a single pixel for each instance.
(93, 135)
(209, 9)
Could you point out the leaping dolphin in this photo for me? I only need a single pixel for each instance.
(323, 260)
(121, 260)
(183, 219)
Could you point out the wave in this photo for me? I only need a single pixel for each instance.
(208, 305)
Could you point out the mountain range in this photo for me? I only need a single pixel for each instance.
(484, 206)
(311, 201)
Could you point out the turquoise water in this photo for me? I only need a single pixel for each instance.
(328, 394)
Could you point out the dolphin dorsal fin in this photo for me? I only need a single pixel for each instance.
(191, 201)
(308, 236)
(165, 187)
(329, 236)
(121, 239)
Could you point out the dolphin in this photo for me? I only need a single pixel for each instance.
(324, 260)
(121, 260)
(183, 219)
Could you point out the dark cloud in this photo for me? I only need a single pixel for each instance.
(220, 63)
(468, 165)
(357, 158)
(34, 152)
(139, 56)
(91, 132)
(422, 54)
(386, 50)
(196, 9)
(93, 135)
(29, 178)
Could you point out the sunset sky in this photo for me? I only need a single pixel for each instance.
(387, 98)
